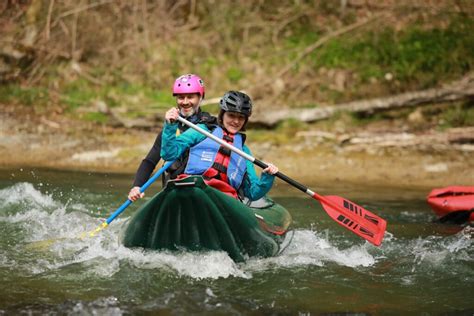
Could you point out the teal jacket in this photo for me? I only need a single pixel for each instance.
(173, 147)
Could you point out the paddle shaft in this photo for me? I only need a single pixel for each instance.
(142, 189)
(252, 159)
(128, 202)
(347, 219)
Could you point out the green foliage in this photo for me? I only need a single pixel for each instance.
(209, 64)
(78, 93)
(30, 96)
(156, 98)
(459, 115)
(95, 117)
(135, 96)
(301, 37)
(234, 74)
(414, 54)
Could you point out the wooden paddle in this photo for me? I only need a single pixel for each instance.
(346, 213)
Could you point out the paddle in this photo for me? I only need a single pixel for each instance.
(346, 213)
(46, 243)
(128, 202)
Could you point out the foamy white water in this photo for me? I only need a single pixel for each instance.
(322, 262)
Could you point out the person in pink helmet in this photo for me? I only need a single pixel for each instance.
(189, 92)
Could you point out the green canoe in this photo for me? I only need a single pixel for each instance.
(188, 214)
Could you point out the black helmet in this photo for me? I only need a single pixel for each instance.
(235, 101)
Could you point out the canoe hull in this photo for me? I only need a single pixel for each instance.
(446, 201)
(188, 214)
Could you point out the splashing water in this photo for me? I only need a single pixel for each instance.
(321, 268)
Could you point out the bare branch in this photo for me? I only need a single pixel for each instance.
(48, 19)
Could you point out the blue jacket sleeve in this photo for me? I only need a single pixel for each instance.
(173, 147)
(254, 187)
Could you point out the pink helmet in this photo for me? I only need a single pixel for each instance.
(189, 84)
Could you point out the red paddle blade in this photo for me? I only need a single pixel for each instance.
(354, 217)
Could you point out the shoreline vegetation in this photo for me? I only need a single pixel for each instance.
(358, 91)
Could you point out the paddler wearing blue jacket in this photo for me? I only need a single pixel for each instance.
(220, 167)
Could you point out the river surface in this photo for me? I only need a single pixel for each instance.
(422, 268)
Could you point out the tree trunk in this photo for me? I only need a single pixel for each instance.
(459, 90)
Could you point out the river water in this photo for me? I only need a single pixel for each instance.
(422, 268)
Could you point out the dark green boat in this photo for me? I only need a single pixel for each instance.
(188, 214)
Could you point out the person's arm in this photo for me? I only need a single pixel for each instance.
(173, 147)
(255, 187)
(145, 169)
(149, 163)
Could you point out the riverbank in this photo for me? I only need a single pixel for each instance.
(427, 159)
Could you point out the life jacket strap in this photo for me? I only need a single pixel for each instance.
(228, 138)
(225, 151)
(219, 167)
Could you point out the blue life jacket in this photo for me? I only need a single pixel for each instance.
(203, 155)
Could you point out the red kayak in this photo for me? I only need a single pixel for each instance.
(454, 204)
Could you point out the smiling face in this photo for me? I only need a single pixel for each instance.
(188, 103)
(233, 121)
